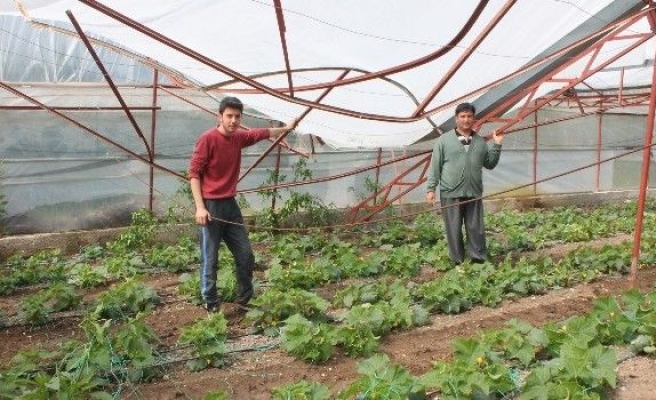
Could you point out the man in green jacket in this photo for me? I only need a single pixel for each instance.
(457, 167)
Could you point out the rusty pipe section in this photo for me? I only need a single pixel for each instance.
(109, 80)
(87, 129)
(279, 94)
(281, 137)
(463, 57)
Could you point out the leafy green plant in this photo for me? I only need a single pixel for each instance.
(137, 236)
(352, 265)
(91, 252)
(403, 261)
(189, 287)
(382, 381)
(34, 311)
(361, 293)
(86, 276)
(370, 187)
(220, 395)
(47, 266)
(308, 340)
(63, 385)
(125, 299)
(519, 342)
(580, 373)
(358, 340)
(448, 294)
(382, 317)
(8, 284)
(135, 344)
(126, 354)
(302, 390)
(37, 308)
(207, 338)
(298, 275)
(176, 258)
(76, 370)
(463, 380)
(300, 209)
(274, 306)
(62, 297)
(123, 265)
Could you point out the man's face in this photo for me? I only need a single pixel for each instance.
(464, 121)
(230, 120)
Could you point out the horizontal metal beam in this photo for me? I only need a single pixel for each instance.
(77, 108)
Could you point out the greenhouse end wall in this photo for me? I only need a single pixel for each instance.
(56, 177)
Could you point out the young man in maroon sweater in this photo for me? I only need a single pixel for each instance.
(213, 172)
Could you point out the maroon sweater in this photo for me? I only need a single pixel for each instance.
(216, 160)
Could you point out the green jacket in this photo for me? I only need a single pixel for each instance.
(458, 172)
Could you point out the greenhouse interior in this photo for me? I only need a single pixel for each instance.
(113, 118)
(102, 103)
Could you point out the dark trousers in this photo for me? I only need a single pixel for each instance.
(236, 238)
(470, 214)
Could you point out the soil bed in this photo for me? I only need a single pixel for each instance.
(253, 374)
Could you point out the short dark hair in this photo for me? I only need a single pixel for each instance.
(231, 102)
(465, 107)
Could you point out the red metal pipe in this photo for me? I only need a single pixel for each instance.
(620, 89)
(153, 125)
(535, 152)
(282, 29)
(387, 189)
(599, 143)
(644, 181)
(279, 94)
(277, 176)
(338, 176)
(67, 108)
(524, 111)
(207, 110)
(281, 137)
(463, 57)
(109, 80)
(172, 93)
(378, 160)
(87, 129)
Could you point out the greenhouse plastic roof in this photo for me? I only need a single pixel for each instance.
(418, 48)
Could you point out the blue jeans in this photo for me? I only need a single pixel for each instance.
(236, 238)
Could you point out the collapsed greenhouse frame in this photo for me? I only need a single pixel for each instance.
(523, 102)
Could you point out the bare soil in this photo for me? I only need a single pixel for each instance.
(252, 374)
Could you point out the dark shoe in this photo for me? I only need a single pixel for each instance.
(243, 301)
(213, 307)
(477, 261)
(244, 296)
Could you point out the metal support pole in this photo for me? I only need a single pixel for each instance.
(153, 125)
(85, 128)
(599, 143)
(109, 80)
(644, 182)
(276, 182)
(378, 160)
(621, 87)
(535, 152)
